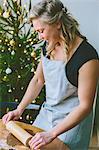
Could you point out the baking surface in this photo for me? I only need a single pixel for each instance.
(8, 141)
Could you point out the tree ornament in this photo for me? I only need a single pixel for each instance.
(12, 42)
(13, 53)
(8, 70)
(33, 54)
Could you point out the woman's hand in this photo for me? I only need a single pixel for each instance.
(12, 115)
(41, 139)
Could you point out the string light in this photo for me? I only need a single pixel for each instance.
(16, 100)
(22, 88)
(9, 90)
(19, 76)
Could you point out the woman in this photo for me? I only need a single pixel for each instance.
(68, 68)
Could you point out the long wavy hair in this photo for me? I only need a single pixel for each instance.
(52, 11)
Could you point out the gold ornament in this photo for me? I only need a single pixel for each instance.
(33, 54)
(12, 42)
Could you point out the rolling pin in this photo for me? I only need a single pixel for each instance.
(18, 132)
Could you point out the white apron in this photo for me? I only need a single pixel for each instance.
(61, 99)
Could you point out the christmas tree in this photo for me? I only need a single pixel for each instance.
(18, 58)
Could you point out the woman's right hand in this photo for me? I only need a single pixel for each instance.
(12, 115)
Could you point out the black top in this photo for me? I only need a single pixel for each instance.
(84, 53)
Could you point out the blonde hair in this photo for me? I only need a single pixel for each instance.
(52, 11)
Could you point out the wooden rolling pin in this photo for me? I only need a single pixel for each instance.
(18, 132)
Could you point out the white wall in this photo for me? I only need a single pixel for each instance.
(87, 14)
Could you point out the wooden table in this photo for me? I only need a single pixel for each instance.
(5, 137)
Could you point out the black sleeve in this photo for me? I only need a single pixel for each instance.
(84, 53)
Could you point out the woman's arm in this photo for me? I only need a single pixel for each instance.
(33, 89)
(88, 77)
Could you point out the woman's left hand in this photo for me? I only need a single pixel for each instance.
(41, 139)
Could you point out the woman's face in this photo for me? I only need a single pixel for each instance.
(45, 31)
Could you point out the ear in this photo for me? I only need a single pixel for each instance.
(58, 25)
